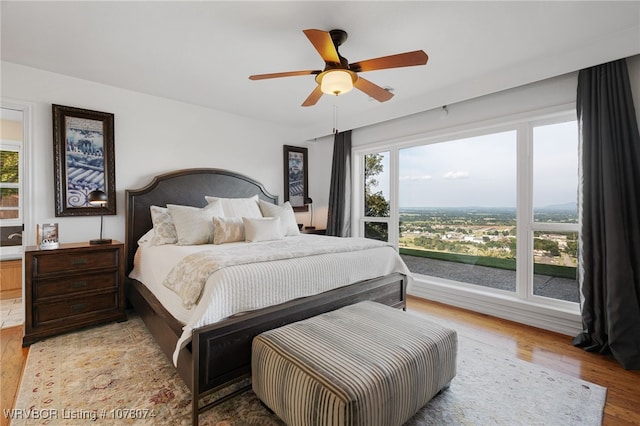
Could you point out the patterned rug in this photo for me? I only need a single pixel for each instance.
(97, 374)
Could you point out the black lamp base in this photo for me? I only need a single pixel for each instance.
(101, 241)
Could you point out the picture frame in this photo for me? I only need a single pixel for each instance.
(47, 236)
(83, 160)
(296, 177)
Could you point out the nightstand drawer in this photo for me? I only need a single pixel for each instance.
(69, 262)
(72, 307)
(76, 284)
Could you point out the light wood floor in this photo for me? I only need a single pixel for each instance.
(545, 348)
(12, 360)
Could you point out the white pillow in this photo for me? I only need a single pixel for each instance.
(238, 207)
(146, 239)
(163, 226)
(285, 213)
(227, 230)
(262, 229)
(193, 225)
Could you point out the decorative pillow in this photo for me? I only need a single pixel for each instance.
(146, 239)
(193, 225)
(164, 229)
(262, 229)
(285, 213)
(227, 230)
(238, 207)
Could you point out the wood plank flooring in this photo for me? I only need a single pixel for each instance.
(551, 350)
(541, 347)
(12, 360)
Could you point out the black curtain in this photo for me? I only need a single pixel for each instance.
(610, 201)
(339, 216)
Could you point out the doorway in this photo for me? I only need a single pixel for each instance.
(14, 136)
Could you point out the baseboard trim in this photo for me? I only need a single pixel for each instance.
(10, 294)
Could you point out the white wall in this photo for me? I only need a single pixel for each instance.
(152, 135)
(559, 90)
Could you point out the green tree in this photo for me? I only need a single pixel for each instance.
(9, 166)
(375, 205)
(546, 245)
(9, 174)
(572, 247)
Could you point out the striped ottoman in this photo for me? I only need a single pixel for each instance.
(365, 364)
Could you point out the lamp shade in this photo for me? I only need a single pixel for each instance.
(336, 82)
(97, 198)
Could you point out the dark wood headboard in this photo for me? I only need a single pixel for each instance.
(186, 187)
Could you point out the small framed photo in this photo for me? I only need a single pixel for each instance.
(47, 236)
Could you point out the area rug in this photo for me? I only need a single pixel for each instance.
(116, 374)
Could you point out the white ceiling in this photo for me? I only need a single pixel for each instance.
(203, 52)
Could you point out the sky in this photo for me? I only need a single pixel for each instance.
(481, 171)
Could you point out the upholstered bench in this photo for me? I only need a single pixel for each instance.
(365, 364)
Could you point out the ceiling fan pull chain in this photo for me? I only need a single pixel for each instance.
(335, 119)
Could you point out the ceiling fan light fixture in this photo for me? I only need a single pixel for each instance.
(337, 81)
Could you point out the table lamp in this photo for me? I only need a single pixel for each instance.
(309, 202)
(99, 198)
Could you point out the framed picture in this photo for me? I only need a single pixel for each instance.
(47, 236)
(83, 160)
(296, 179)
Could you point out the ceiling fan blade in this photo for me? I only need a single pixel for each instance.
(283, 74)
(408, 59)
(323, 43)
(373, 90)
(313, 98)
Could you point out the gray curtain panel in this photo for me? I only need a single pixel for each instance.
(339, 216)
(610, 214)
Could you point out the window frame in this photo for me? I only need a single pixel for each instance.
(534, 226)
(393, 190)
(486, 299)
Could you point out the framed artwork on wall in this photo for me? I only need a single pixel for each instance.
(296, 178)
(83, 160)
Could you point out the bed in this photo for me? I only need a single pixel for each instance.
(218, 355)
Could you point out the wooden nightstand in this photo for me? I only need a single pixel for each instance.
(74, 286)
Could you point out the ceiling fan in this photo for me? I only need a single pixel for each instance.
(339, 76)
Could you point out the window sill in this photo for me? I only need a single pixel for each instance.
(558, 317)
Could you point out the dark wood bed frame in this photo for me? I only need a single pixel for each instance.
(220, 354)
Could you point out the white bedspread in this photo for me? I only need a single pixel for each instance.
(272, 279)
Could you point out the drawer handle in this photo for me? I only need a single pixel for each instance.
(80, 261)
(79, 284)
(78, 307)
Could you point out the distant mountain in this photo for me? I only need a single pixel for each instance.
(570, 206)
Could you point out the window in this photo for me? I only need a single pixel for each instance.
(457, 208)
(376, 196)
(492, 209)
(9, 182)
(555, 210)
